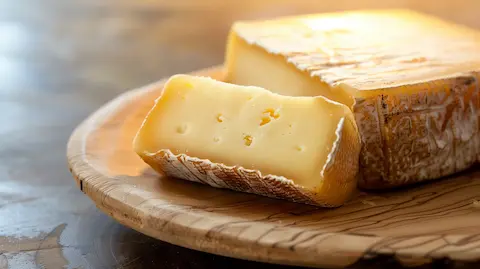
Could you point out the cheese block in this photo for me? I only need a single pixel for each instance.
(303, 149)
(410, 79)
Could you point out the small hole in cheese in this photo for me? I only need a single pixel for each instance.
(248, 140)
(300, 148)
(216, 139)
(182, 129)
(265, 120)
(273, 113)
(220, 118)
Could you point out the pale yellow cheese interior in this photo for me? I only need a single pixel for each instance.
(293, 137)
(250, 65)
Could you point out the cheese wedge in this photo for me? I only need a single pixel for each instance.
(410, 79)
(303, 149)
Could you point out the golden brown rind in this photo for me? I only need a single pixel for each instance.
(341, 180)
(431, 132)
(240, 179)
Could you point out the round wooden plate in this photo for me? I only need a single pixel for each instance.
(415, 225)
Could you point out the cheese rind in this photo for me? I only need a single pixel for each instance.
(425, 135)
(410, 79)
(303, 149)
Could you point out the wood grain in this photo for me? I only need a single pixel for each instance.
(416, 225)
(61, 60)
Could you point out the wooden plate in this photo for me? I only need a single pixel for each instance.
(416, 225)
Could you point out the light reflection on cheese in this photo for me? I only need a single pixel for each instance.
(410, 79)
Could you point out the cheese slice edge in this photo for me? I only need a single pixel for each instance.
(302, 149)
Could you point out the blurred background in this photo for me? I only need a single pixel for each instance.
(62, 59)
(93, 45)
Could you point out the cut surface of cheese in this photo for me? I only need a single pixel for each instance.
(302, 149)
(410, 79)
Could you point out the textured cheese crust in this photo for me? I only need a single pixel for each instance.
(244, 180)
(336, 145)
(410, 79)
(409, 138)
(330, 187)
